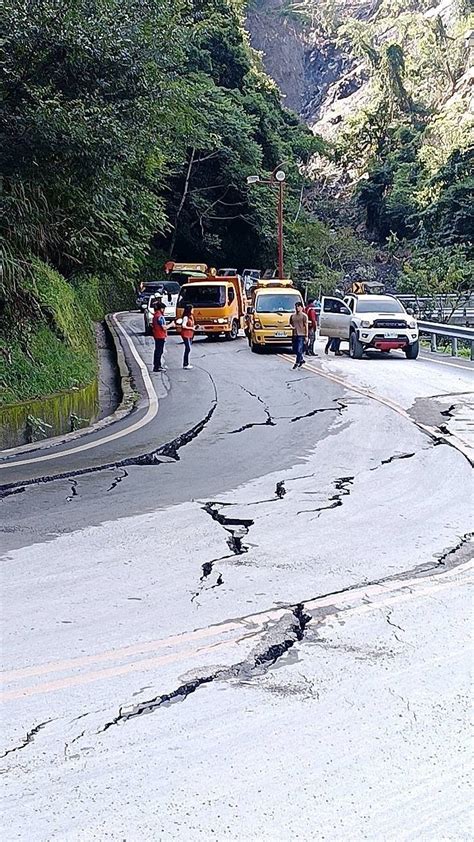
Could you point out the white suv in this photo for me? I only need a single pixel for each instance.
(370, 322)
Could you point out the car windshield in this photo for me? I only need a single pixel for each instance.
(200, 295)
(380, 305)
(172, 287)
(274, 302)
(149, 289)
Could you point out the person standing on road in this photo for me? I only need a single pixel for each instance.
(299, 323)
(159, 331)
(187, 333)
(312, 325)
(333, 344)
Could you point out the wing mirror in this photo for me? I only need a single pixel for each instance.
(410, 311)
(250, 310)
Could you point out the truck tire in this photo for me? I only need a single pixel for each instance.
(356, 349)
(234, 331)
(254, 347)
(412, 351)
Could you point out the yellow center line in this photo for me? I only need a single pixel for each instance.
(451, 439)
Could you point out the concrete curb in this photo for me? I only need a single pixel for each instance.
(126, 406)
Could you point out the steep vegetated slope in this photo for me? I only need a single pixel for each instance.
(388, 83)
(127, 133)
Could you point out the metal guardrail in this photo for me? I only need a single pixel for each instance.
(463, 300)
(440, 307)
(452, 332)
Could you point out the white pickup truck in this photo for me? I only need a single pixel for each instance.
(370, 322)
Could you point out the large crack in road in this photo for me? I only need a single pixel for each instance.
(277, 639)
(342, 486)
(29, 737)
(258, 661)
(168, 451)
(285, 634)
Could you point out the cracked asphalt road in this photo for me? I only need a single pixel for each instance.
(276, 623)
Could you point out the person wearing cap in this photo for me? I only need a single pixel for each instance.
(159, 331)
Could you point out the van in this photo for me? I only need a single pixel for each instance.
(268, 317)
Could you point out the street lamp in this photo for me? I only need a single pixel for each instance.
(277, 179)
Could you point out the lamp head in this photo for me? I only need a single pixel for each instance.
(280, 175)
(253, 179)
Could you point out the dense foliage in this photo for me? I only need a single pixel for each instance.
(128, 129)
(404, 138)
(411, 145)
(125, 120)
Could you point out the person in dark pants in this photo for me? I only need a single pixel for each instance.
(333, 344)
(312, 325)
(187, 333)
(159, 331)
(299, 323)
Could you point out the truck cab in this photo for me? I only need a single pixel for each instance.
(268, 316)
(219, 305)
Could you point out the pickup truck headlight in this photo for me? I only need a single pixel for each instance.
(257, 324)
(221, 321)
(412, 324)
(366, 323)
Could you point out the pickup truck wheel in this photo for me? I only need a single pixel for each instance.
(356, 349)
(254, 347)
(234, 331)
(412, 351)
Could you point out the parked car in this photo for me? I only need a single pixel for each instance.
(250, 277)
(370, 322)
(147, 289)
(168, 293)
(227, 273)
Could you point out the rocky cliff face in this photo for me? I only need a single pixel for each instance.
(283, 45)
(320, 75)
(313, 72)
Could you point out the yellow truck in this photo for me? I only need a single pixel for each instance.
(268, 316)
(218, 302)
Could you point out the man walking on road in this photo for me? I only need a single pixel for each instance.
(299, 323)
(158, 328)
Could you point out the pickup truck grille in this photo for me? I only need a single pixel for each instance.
(390, 323)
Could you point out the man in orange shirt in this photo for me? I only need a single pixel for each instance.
(159, 331)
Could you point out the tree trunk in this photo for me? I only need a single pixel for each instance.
(183, 199)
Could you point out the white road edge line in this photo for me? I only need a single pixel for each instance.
(461, 366)
(149, 415)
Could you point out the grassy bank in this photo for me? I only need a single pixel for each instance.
(50, 347)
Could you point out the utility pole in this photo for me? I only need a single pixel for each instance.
(277, 179)
(281, 189)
